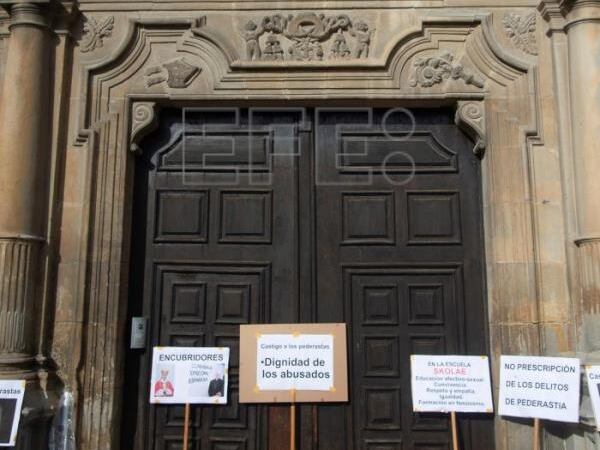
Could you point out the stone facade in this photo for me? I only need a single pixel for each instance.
(80, 86)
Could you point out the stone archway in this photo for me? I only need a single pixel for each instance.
(175, 61)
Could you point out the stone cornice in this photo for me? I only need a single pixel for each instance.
(7, 3)
(27, 13)
(563, 14)
(56, 15)
(564, 8)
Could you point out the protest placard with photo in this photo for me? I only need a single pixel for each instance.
(189, 375)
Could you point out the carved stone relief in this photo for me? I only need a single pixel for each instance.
(178, 74)
(521, 31)
(306, 37)
(470, 115)
(95, 31)
(429, 71)
(144, 120)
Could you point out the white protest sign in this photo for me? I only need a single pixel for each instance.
(303, 362)
(189, 375)
(445, 383)
(11, 401)
(539, 387)
(592, 374)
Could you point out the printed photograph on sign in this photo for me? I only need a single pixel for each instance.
(11, 402)
(540, 387)
(592, 374)
(189, 375)
(289, 363)
(446, 383)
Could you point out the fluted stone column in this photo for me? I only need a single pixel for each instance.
(583, 32)
(574, 26)
(23, 181)
(24, 158)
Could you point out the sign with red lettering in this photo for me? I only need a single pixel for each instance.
(189, 375)
(539, 387)
(446, 383)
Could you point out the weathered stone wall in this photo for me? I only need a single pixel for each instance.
(519, 72)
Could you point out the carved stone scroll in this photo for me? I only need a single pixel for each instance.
(144, 120)
(470, 116)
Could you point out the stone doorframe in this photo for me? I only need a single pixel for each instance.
(458, 59)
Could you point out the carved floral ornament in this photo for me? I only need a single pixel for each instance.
(521, 31)
(95, 31)
(431, 70)
(306, 37)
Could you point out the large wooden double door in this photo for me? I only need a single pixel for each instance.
(366, 216)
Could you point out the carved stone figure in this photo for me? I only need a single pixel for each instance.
(178, 74)
(521, 31)
(273, 50)
(339, 48)
(363, 36)
(274, 24)
(308, 36)
(433, 70)
(251, 34)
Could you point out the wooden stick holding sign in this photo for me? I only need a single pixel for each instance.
(429, 374)
(293, 421)
(186, 426)
(189, 375)
(454, 430)
(536, 434)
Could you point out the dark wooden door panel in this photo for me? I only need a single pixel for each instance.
(398, 239)
(217, 239)
(203, 305)
(349, 216)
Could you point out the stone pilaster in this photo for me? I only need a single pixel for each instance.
(24, 152)
(583, 31)
(574, 26)
(580, 21)
(582, 26)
